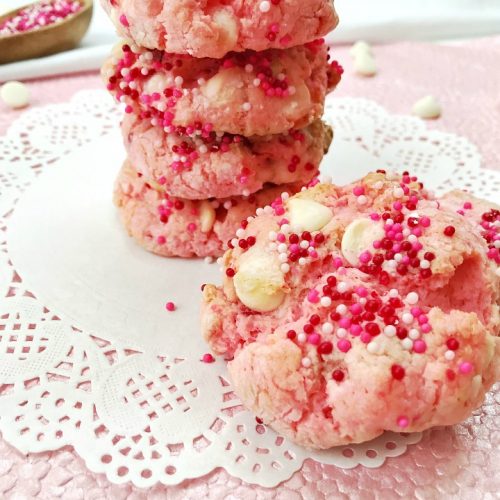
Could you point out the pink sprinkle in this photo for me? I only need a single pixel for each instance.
(356, 309)
(313, 339)
(208, 358)
(124, 21)
(416, 231)
(374, 216)
(358, 190)
(343, 345)
(161, 240)
(397, 205)
(362, 291)
(365, 337)
(355, 330)
(425, 221)
(422, 319)
(170, 306)
(313, 254)
(365, 257)
(281, 238)
(279, 211)
(465, 368)
(419, 346)
(377, 244)
(191, 227)
(426, 328)
(416, 312)
(337, 262)
(344, 322)
(313, 296)
(403, 422)
(467, 205)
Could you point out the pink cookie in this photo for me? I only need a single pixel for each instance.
(246, 94)
(170, 226)
(203, 28)
(371, 308)
(200, 168)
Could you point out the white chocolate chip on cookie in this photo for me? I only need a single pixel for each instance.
(207, 216)
(359, 237)
(307, 214)
(259, 281)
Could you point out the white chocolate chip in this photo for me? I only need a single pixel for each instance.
(361, 47)
(358, 237)
(364, 64)
(207, 216)
(259, 281)
(427, 108)
(15, 94)
(307, 214)
(228, 28)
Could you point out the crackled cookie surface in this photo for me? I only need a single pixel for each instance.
(227, 165)
(246, 93)
(361, 309)
(170, 226)
(203, 28)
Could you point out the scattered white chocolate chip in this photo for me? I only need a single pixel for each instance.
(358, 237)
(207, 216)
(15, 94)
(259, 281)
(360, 47)
(307, 214)
(364, 64)
(427, 107)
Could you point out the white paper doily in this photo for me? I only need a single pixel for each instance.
(88, 355)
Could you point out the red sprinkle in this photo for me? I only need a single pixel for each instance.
(338, 375)
(170, 306)
(208, 358)
(398, 372)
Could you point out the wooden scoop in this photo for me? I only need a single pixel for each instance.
(50, 39)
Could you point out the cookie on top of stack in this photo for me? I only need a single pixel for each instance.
(213, 129)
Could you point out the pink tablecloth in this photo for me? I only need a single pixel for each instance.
(459, 462)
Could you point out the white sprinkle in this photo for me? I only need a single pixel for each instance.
(240, 232)
(285, 267)
(304, 244)
(362, 200)
(209, 260)
(306, 362)
(406, 232)
(272, 236)
(390, 330)
(301, 338)
(449, 355)
(407, 318)
(412, 298)
(407, 344)
(268, 209)
(246, 106)
(201, 81)
(398, 193)
(285, 228)
(259, 211)
(389, 222)
(203, 149)
(234, 242)
(372, 348)
(248, 68)
(393, 293)
(414, 334)
(219, 261)
(412, 238)
(378, 185)
(425, 264)
(341, 309)
(246, 193)
(342, 287)
(178, 80)
(302, 261)
(391, 263)
(341, 333)
(398, 257)
(256, 82)
(283, 257)
(285, 195)
(282, 247)
(227, 205)
(326, 301)
(327, 328)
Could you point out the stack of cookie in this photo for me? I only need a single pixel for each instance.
(222, 113)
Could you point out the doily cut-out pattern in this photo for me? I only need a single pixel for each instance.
(143, 416)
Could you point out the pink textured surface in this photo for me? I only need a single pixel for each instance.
(458, 462)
